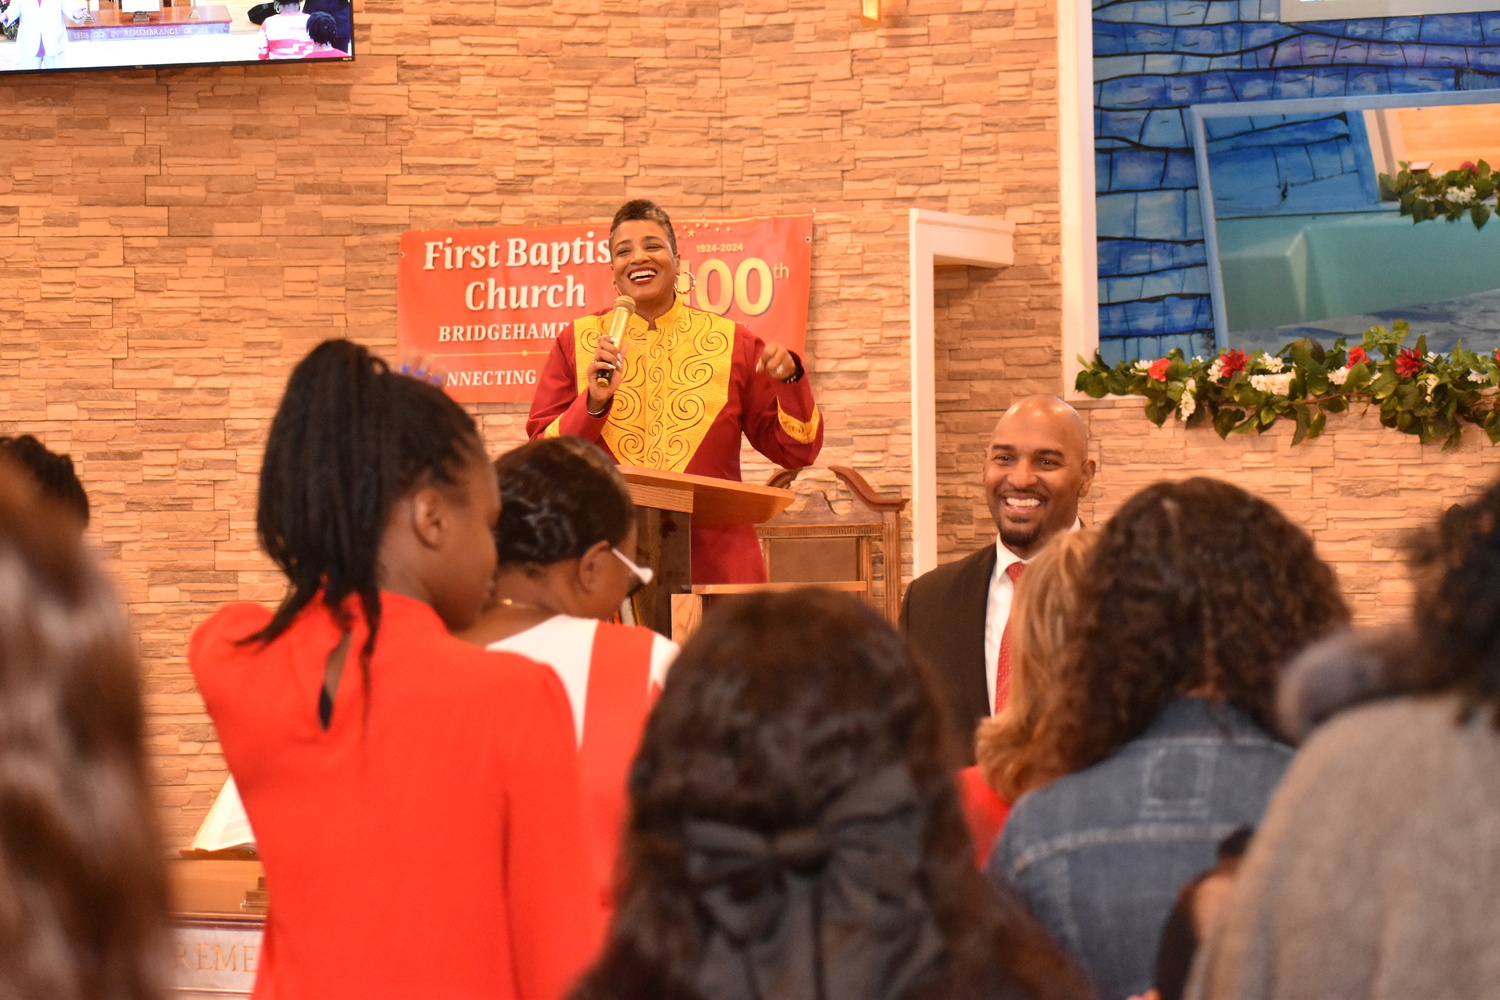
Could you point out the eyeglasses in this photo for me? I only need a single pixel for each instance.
(643, 576)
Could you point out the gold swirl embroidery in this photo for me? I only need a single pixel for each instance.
(673, 391)
(801, 431)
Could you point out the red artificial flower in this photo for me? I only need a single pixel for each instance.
(1158, 369)
(1231, 362)
(1467, 165)
(1408, 362)
(1356, 355)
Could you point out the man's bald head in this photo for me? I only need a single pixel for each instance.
(1051, 410)
(1036, 469)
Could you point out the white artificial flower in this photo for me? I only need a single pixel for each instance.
(1275, 364)
(1475, 375)
(1188, 404)
(1460, 195)
(1141, 367)
(1216, 370)
(1430, 382)
(1338, 376)
(1275, 384)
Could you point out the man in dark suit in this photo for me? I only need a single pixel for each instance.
(1036, 468)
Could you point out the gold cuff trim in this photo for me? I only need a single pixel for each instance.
(554, 429)
(800, 431)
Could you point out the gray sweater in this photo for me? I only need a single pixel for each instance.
(1376, 873)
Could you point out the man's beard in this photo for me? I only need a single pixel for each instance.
(1020, 538)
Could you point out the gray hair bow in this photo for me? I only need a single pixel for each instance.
(830, 911)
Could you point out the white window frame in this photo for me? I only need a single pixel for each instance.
(1079, 250)
(1343, 10)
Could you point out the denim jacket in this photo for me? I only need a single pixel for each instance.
(1100, 855)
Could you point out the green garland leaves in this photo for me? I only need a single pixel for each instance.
(1430, 395)
(1451, 195)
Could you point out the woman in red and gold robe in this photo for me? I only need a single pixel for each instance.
(682, 387)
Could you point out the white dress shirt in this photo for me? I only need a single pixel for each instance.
(997, 612)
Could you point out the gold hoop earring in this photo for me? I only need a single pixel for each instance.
(692, 283)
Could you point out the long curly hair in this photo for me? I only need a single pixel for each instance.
(83, 897)
(777, 705)
(1045, 609)
(1194, 586)
(1457, 609)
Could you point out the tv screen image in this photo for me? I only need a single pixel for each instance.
(51, 35)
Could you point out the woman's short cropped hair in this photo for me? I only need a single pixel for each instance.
(559, 497)
(1042, 619)
(640, 209)
(1193, 586)
(83, 898)
(322, 28)
(777, 711)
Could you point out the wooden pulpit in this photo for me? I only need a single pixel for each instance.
(667, 505)
(218, 922)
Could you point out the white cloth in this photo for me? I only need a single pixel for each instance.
(42, 28)
(997, 611)
(566, 644)
(226, 827)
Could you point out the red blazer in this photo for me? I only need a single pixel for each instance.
(429, 842)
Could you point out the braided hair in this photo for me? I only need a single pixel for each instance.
(350, 439)
(559, 497)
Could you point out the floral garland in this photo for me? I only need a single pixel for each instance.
(1450, 195)
(1418, 392)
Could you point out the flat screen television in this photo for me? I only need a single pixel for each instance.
(53, 35)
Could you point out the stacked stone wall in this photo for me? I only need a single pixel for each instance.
(174, 240)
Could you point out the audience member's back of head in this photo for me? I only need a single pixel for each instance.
(1373, 872)
(52, 472)
(1451, 645)
(82, 888)
(1457, 608)
(558, 498)
(322, 28)
(795, 832)
(1194, 586)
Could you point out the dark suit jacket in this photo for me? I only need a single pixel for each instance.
(942, 618)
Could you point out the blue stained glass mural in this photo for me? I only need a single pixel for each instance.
(1155, 58)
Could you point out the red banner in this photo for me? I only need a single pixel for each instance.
(483, 306)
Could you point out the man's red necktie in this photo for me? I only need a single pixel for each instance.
(1002, 666)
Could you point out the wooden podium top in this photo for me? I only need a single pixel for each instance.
(213, 889)
(708, 500)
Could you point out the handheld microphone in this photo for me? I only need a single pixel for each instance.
(617, 323)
